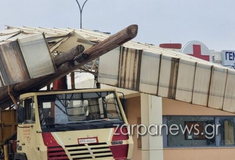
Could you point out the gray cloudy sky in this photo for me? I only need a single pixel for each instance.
(209, 21)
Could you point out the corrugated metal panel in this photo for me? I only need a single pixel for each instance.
(201, 84)
(149, 72)
(165, 73)
(2, 38)
(217, 87)
(9, 31)
(6, 34)
(185, 81)
(12, 65)
(109, 75)
(19, 36)
(129, 68)
(50, 33)
(229, 96)
(37, 56)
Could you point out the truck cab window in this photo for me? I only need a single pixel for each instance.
(77, 110)
(112, 109)
(71, 111)
(26, 111)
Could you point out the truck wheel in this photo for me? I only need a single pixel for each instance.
(20, 156)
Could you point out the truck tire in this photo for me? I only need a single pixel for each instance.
(20, 156)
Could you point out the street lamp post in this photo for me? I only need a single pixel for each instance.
(81, 9)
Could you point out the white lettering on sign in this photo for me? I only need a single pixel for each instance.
(228, 57)
(87, 140)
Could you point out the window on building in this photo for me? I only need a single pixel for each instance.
(226, 132)
(183, 131)
(199, 131)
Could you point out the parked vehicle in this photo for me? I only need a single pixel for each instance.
(68, 125)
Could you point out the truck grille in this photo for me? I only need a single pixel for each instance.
(56, 153)
(98, 151)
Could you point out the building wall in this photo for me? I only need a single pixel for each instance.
(145, 109)
(151, 114)
(133, 113)
(199, 154)
(171, 107)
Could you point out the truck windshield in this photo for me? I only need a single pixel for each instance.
(79, 111)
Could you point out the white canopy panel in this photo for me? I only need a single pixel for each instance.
(166, 73)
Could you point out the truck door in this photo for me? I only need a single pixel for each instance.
(27, 129)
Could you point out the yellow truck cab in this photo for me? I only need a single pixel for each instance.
(72, 125)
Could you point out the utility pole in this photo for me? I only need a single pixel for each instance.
(81, 10)
(72, 75)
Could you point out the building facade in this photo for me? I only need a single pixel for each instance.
(148, 110)
(180, 107)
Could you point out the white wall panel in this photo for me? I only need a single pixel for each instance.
(108, 67)
(185, 81)
(217, 87)
(164, 79)
(201, 84)
(149, 72)
(229, 97)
